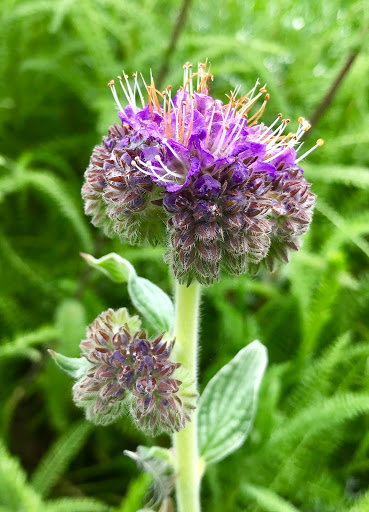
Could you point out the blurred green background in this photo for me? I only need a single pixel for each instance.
(309, 449)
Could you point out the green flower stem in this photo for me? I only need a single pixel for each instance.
(185, 441)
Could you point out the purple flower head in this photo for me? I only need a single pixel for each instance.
(130, 371)
(224, 183)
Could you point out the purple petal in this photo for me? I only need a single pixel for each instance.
(207, 186)
(288, 157)
(203, 103)
(246, 149)
(240, 173)
(194, 169)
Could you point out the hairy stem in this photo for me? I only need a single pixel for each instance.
(185, 441)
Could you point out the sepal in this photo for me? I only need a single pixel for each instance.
(75, 367)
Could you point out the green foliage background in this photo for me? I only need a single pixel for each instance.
(309, 449)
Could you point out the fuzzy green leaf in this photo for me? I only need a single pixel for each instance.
(112, 265)
(154, 304)
(150, 300)
(76, 367)
(228, 404)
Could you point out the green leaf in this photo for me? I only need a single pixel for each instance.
(228, 404)
(112, 265)
(76, 367)
(150, 300)
(267, 499)
(79, 504)
(154, 304)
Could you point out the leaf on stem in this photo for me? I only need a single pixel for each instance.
(150, 300)
(228, 404)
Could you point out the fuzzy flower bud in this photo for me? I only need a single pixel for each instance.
(128, 371)
(227, 185)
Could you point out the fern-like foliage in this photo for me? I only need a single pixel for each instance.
(15, 492)
(55, 462)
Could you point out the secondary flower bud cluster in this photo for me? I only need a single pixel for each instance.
(131, 373)
(224, 188)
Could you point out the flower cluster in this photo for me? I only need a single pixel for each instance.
(129, 371)
(225, 188)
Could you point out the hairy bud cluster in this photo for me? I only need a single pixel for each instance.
(130, 372)
(222, 187)
(117, 196)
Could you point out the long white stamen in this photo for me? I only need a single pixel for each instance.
(254, 88)
(265, 132)
(230, 134)
(191, 81)
(186, 68)
(136, 166)
(137, 86)
(210, 124)
(283, 141)
(277, 133)
(158, 159)
(132, 96)
(252, 101)
(172, 150)
(177, 119)
(128, 98)
(303, 128)
(231, 139)
(151, 170)
(115, 95)
(235, 92)
(319, 143)
(190, 125)
(174, 110)
(237, 124)
(222, 132)
(287, 146)
(219, 147)
(300, 146)
(225, 118)
(164, 107)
